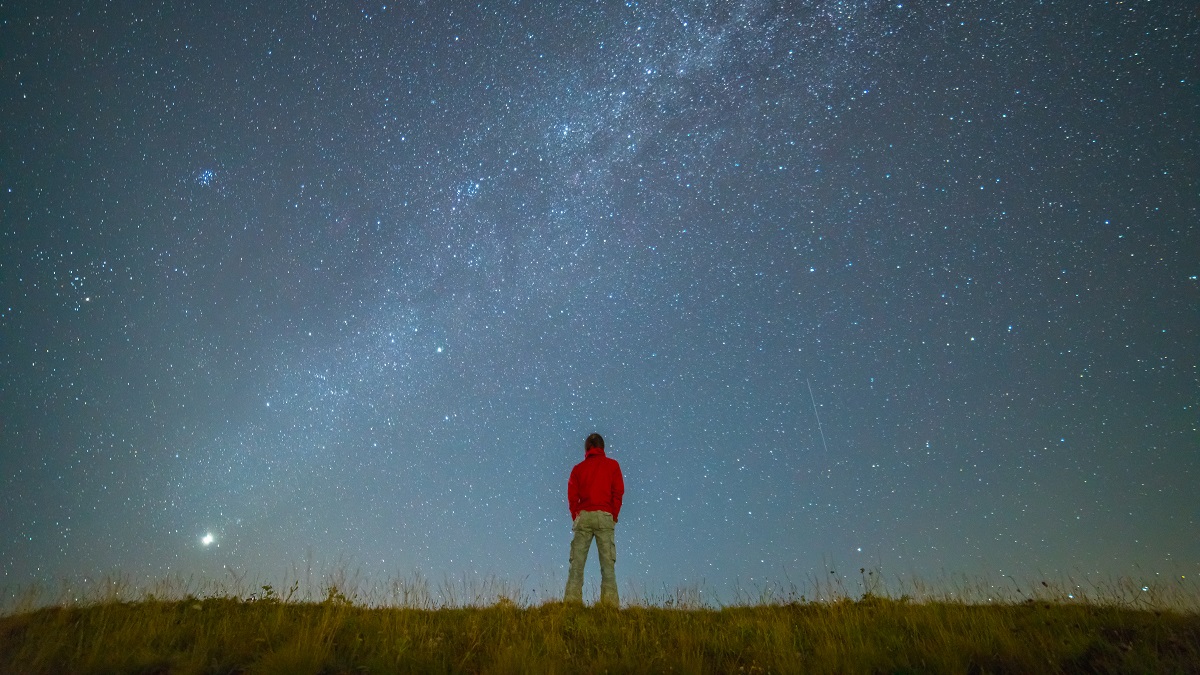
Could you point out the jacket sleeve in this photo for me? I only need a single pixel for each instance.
(573, 495)
(618, 490)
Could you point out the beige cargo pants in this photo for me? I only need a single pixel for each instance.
(589, 524)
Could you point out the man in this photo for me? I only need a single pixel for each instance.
(594, 494)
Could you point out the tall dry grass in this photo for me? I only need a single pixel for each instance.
(855, 625)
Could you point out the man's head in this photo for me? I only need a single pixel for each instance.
(593, 441)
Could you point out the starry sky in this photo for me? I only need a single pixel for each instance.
(909, 286)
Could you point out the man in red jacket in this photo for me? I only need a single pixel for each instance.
(594, 494)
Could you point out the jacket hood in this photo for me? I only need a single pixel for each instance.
(592, 452)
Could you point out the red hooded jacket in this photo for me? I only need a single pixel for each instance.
(596, 485)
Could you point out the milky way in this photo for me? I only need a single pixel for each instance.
(347, 284)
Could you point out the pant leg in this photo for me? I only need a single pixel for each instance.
(580, 545)
(606, 546)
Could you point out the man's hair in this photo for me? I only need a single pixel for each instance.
(594, 441)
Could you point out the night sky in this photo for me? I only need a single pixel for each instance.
(906, 286)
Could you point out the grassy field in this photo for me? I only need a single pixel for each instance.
(501, 631)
